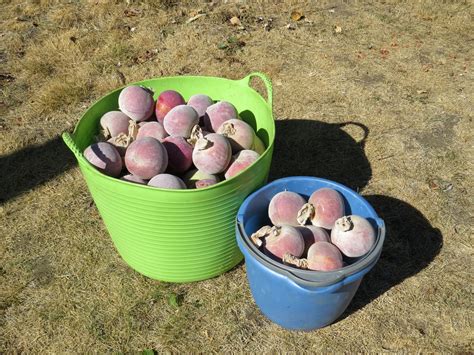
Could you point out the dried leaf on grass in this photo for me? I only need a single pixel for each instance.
(235, 21)
(296, 15)
(196, 12)
(146, 56)
(194, 18)
(439, 184)
(173, 300)
(131, 12)
(384, 53)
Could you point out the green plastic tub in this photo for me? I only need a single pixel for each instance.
(178, 235)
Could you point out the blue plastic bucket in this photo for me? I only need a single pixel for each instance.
(302, 299)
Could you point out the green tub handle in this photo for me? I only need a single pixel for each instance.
(72, 145)
(266, 81)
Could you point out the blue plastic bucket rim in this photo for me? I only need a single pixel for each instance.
(313, 278)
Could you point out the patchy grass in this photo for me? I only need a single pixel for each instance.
(401, 72)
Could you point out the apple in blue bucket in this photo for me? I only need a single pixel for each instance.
(309, 246)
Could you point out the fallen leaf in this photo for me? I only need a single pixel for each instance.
(194, 18)
(235, 21)
(131, 12)
(296, 16)
(173, 300)
(384, 52)
(195, 12)
(427, 67)
(146, 56)
(439, 184)
(337, 29)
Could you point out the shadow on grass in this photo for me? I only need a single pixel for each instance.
(411, 243)
(313, 148)
(32, 166)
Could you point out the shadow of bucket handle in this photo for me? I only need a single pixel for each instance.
(361, 126)
(266, 81)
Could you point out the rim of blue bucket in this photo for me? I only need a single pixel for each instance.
(311, 277)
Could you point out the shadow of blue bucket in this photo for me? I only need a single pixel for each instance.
(302, 299)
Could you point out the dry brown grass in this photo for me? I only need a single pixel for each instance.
(402, 70)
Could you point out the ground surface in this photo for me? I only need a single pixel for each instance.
(401, 73)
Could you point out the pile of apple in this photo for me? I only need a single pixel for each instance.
(172, 144)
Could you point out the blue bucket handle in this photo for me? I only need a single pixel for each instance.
(266, 81)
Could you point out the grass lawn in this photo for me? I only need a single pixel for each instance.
(375, 95)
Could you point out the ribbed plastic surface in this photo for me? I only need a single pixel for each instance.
(178, 235)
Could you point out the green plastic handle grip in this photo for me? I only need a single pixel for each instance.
(266, 81)
(72, 145)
